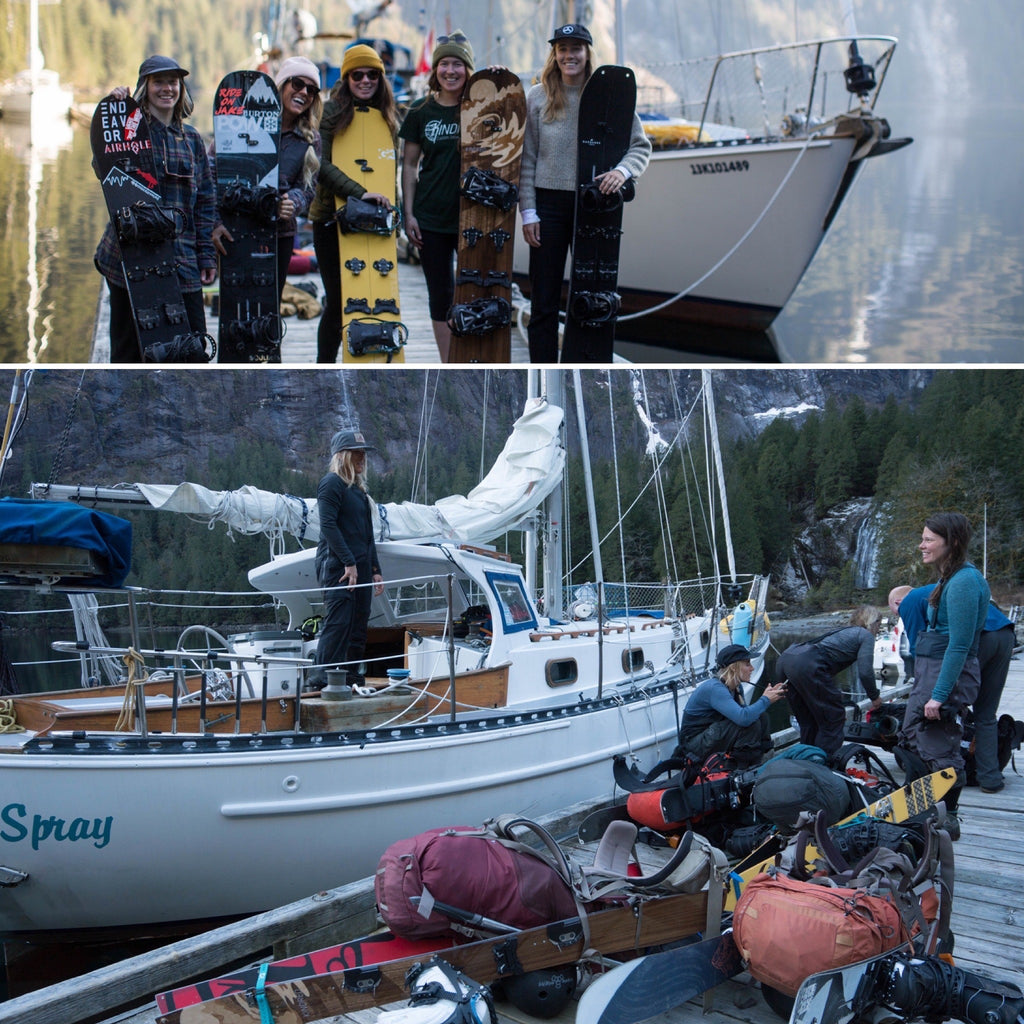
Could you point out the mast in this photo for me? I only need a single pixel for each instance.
(552, 568)
(709, 407)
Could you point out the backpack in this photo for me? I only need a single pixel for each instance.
(687, 796)
(786, 786)
(473, 872)
(786, 930)
(791, 925)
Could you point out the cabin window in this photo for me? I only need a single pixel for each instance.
(633, 659)
(562, 672)
(514, 605)
(422, 599)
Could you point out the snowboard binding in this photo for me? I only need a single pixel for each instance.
(145, 223)
(591, 308)
(481, 316)
(934, 990)
(368, 336)
(489, 189)
(369, 218)
(258, 201)
(593, 200)
(183, 348)
(260, 336)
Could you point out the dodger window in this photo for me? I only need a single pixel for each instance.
(516, 611)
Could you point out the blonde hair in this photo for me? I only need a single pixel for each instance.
(554, 87)
(342, 464)
(308, 126)
(730, 675)
(866, 615)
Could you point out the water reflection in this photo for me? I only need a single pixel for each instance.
(36, 145)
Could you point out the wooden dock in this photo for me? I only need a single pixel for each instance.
(298, 346)
(988, 924)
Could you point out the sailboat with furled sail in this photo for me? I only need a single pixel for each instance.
(479, 695)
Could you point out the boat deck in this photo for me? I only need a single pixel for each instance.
(988, 923)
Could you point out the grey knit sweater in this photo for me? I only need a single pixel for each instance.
(549, 148)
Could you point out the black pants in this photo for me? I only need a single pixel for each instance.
(437, 256)
(342, 635)
(328, 258)
(747, 743)
(813, 697)
(557, 211)
(124, 342)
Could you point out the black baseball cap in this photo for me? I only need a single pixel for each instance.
(572, 32)
(730, 654)
(156, 64)
(350, 441)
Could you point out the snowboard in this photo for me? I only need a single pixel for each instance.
(607, 106)
(371, 326)
(247, 135)
(894, 985)
(656, 983)
(145, 230)
(914, 799)
(371, 949)
(617, 929)
(493, 122)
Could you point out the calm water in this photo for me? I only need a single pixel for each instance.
(924, 264)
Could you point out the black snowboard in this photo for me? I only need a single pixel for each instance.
(247, 136)
(605, 126)
(145, 230)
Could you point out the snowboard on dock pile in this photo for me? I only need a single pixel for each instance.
(145, 231)
(371, 327)
(493, 120)
(247, 137)
(620, 928)
(607, 106)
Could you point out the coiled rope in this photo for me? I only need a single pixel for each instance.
(135, 665)
(8, 717)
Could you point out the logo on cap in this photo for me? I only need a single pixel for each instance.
(567, 30)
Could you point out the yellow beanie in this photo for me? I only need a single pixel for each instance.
(361, 56)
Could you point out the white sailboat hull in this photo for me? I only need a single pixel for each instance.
(105, 838)
(692, 209)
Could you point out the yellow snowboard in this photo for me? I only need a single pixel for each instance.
(371, 327)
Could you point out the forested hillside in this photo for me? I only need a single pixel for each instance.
(839, 447)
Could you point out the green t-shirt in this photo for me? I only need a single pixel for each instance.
(436, 129)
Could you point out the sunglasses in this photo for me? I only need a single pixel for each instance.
(370, 74)
(458, 38)
(301, 85)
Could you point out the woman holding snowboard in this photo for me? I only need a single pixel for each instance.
(547, 184)
(431, 166)
(185, 182)
(362, 82)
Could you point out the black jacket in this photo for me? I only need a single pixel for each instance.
(346, 532)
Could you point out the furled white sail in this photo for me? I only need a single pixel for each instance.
(528, 468)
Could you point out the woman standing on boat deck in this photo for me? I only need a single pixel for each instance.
(947, 674)
(431, 165)
(362, 83)
(346, 555)
(185, 181)
(547, 184)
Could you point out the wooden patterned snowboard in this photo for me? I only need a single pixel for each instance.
(493, 120)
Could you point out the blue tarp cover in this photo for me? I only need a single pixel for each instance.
(61, 523)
